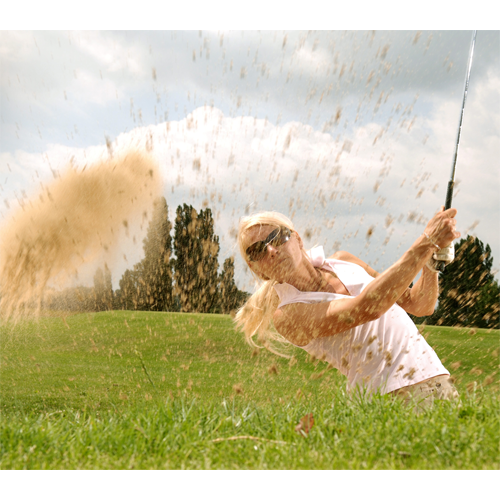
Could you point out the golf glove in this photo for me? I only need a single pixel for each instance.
(446, 255)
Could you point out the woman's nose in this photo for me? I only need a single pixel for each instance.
(271, 250)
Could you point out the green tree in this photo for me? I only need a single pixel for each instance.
(196, 248)
(489, 305)
(156, 269)
(185, 278)
(129, 290)
(208, 263)
(242, 297)
(227, 287)
(468, 290)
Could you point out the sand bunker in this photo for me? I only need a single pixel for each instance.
(70, 223)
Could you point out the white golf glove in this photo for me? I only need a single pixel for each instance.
(446, 255)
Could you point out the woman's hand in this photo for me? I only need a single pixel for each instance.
(441, 229)
(446, 255)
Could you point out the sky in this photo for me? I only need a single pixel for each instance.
(349, 133)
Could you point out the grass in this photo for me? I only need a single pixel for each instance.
(125, 389)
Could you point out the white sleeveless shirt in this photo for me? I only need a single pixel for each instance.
(382, 355)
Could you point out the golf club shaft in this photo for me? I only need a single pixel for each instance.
(451, 183)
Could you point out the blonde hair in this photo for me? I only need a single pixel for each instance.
(255, 317)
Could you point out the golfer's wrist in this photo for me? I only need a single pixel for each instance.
(430, 270)
(425, 244)
(432, 242)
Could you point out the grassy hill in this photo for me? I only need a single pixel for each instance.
(127, 389)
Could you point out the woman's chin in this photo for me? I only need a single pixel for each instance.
(283, 272)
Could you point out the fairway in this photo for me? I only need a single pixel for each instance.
(127, 389)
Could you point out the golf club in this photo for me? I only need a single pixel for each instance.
(451, 183)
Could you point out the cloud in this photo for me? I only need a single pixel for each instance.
(52, 77)
(112, 52)
(90, 88)
(16, 45)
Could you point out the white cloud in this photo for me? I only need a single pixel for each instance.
(111, 53)
(16, 44)
(90, 88)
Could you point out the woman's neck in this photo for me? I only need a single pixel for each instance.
(308, 278)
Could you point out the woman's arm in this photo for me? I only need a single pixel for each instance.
(420, 300)
(300, 323)
(349, 257)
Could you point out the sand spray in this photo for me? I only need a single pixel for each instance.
(69, 223)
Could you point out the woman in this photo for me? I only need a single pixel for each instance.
(342, 311)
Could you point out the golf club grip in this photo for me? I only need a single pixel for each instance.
(449, 194)
(447, 205)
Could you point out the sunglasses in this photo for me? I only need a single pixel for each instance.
(278, 237)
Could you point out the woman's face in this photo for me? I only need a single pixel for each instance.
(279, 262)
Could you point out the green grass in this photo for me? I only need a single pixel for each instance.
(126, 389)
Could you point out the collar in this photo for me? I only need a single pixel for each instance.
(316, 256)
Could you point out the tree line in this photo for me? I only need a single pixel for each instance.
(469, 293)
(179, 273)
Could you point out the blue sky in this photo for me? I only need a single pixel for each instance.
(350, 132)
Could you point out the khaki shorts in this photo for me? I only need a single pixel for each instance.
(423, 394)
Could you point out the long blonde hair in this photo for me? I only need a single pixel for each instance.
(255, 317)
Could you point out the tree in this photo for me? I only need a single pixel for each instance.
(227, 287)
(242, 297)
(208, 263)
(103, 289)
(196, 248)
(196, 285)
(184, 264)
(99, 289)
(108, 289)
(128, 293)
(157, 291)
(80, 298)
(148, 286)
(469, 293)
(489, 305)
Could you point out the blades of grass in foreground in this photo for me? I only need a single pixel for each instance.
(126, 389)
(144, 368)
(186, 433)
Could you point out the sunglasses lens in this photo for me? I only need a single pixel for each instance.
(277, 237)
(255, 252)
(284, 236)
